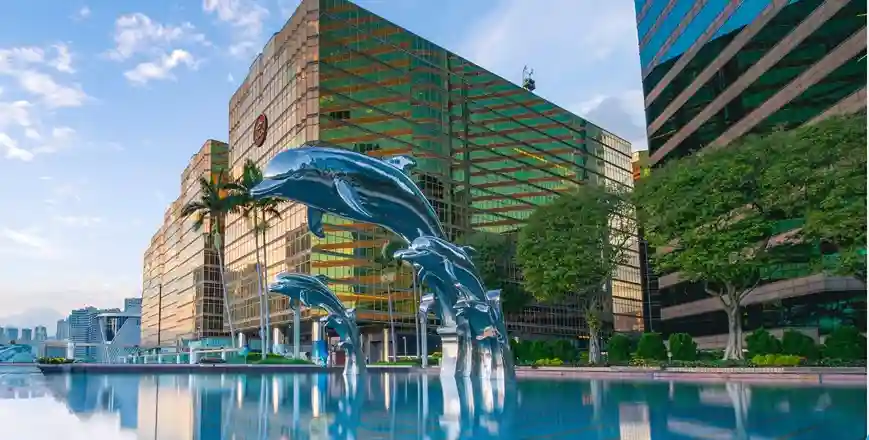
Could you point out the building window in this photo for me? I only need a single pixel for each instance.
(341, 114)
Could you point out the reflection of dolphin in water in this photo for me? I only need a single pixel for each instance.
(312, 291)
(353, 186)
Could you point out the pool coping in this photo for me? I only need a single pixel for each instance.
(805, 375)
(203, 368)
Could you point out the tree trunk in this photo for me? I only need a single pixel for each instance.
(259, 285)
(265, 277)
(593, 345)
(734, 327)
(225, 295)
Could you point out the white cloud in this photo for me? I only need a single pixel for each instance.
(26, 243)
(53, 94)
(12, 150)
(138, 33)
(78, 221)
(63, 62)
(245, 17)
(162, 68)
(15, 113)
(83, 13)
(22, 64)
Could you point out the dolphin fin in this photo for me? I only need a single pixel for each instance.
(469, 250)
(323, 278)
(403, 163)
(350, 196)
(315, 222)
(351, 314)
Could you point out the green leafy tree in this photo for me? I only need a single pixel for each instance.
(712, 220)
(651, 346)
(762, 342)
(799, 344)
(618, 348)
(682, 347)
(570, 248)
(845, 342)
(211, 208)
(256, 212)
(495, 258)
(820, 176)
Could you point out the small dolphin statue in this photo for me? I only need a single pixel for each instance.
(348, 336)
(312, 291)
(350, 185)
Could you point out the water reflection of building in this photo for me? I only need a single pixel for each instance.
(406, 406)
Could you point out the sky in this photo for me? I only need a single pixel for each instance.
(103, 102)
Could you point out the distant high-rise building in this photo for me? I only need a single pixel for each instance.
(40, 333)
(26, 335)
(133, 305)
(12, 334)
(189, 304)
(62, 331)
(80, 322)
(3, 336)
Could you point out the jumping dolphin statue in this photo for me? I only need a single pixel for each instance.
(444, 260)
(312, 291)
(349, 340)
(351, 185)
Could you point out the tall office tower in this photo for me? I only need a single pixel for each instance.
(40, 333)
(716, 70)
(12, 334)
(133, 305)
(62, 331)
(80, 322)
(489, 152)
(182, 297)
(26, 335)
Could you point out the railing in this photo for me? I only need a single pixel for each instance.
(189, 357)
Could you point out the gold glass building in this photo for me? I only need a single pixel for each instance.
(181, 292)
(489, 152)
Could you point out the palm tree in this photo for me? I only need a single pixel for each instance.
(256, 212)
(213, 205)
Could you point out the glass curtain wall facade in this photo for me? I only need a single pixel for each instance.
(182, 297)
(488, 153)
(715, 70)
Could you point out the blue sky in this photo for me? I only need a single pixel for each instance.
(102, 103)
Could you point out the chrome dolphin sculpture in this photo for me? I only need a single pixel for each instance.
(349, 340)
(312, 291)
(350, 185)
(449, 271)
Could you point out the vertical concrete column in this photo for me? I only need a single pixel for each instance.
(70, 350)
(241, 340)
(386, 342)
(277, 339)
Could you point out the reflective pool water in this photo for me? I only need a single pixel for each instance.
(410, 406)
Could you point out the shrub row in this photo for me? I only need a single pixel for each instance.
(54, 361)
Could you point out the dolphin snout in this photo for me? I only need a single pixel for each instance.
(409, 254)
(265, 188)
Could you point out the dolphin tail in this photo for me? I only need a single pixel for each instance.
(403, 163)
